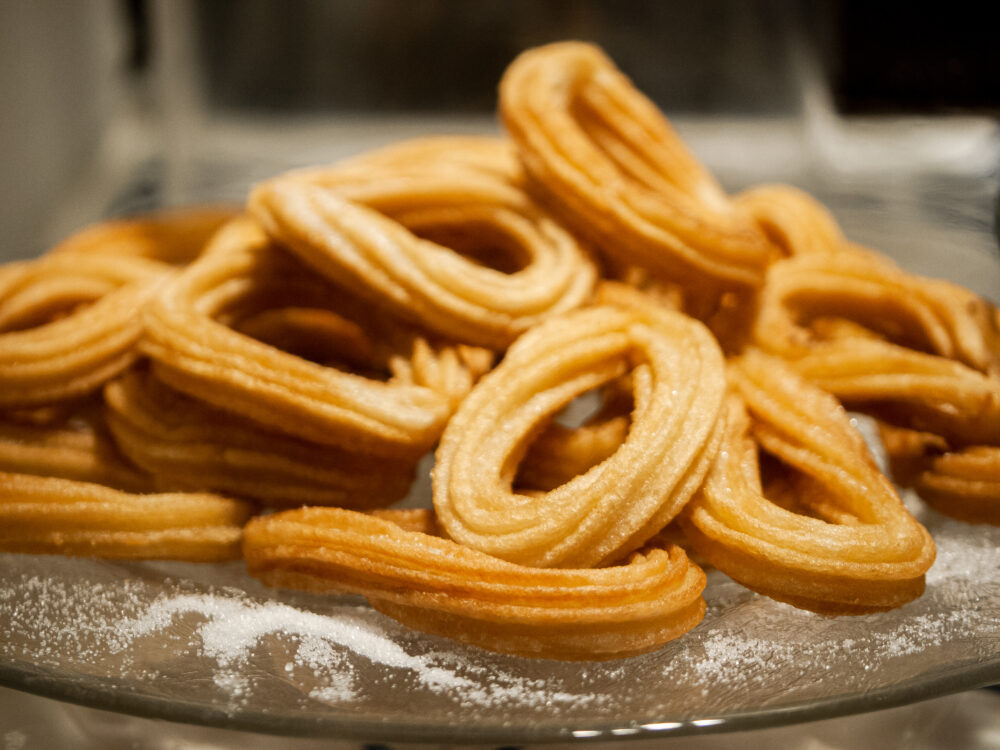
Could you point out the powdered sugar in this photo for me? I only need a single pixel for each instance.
(331, 653)
(747, 641)
(213, 637)
(234, 626)
(965, 553)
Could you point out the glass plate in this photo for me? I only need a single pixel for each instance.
(208, 644)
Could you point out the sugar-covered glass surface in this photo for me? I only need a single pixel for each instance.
(208, 644)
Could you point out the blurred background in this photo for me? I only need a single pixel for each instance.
(117, 106)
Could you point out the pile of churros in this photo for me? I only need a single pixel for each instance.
(261, 383)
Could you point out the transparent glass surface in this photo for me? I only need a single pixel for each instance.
(209, 645)
(969, 720)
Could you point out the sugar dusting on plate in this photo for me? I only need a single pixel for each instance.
(106, 626)
(213, 636)
(958, 614)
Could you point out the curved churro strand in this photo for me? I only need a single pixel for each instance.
(176, 236)
(617, 505)
(920, 351)
(612, 167)
(399, 234)
(486, 155)
(963, 484)
(443, 588)
(71, 442)
(196, 351)
(793, 220)
(927, 315)
(844, 545)
(44, 515)
(68, 323)
(560, 453)
(189, 445)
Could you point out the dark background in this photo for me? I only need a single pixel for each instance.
(731, 56)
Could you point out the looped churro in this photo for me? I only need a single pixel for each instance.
(617, 505)
(919, 351)
(71, 442)
(191, 334)
(486, 155)
(175, 236)
(439, 587)
(612, 167)
(845, 543)
(929, 315)
(45, 515)
(795, 221)
(963, 484)
(313, 351)
(399, 233)
(68, 323)
(188, 445)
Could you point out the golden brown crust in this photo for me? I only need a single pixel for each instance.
(793, 220)
(69, 323)
(189, 445)
(189, 335)
(71, 442)
(920, 352)
(176, 236)
(444, 588)
(857, 550)
(612, 167)
(616, 505)
(963, 483)
(45, 515)
(399, 231)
